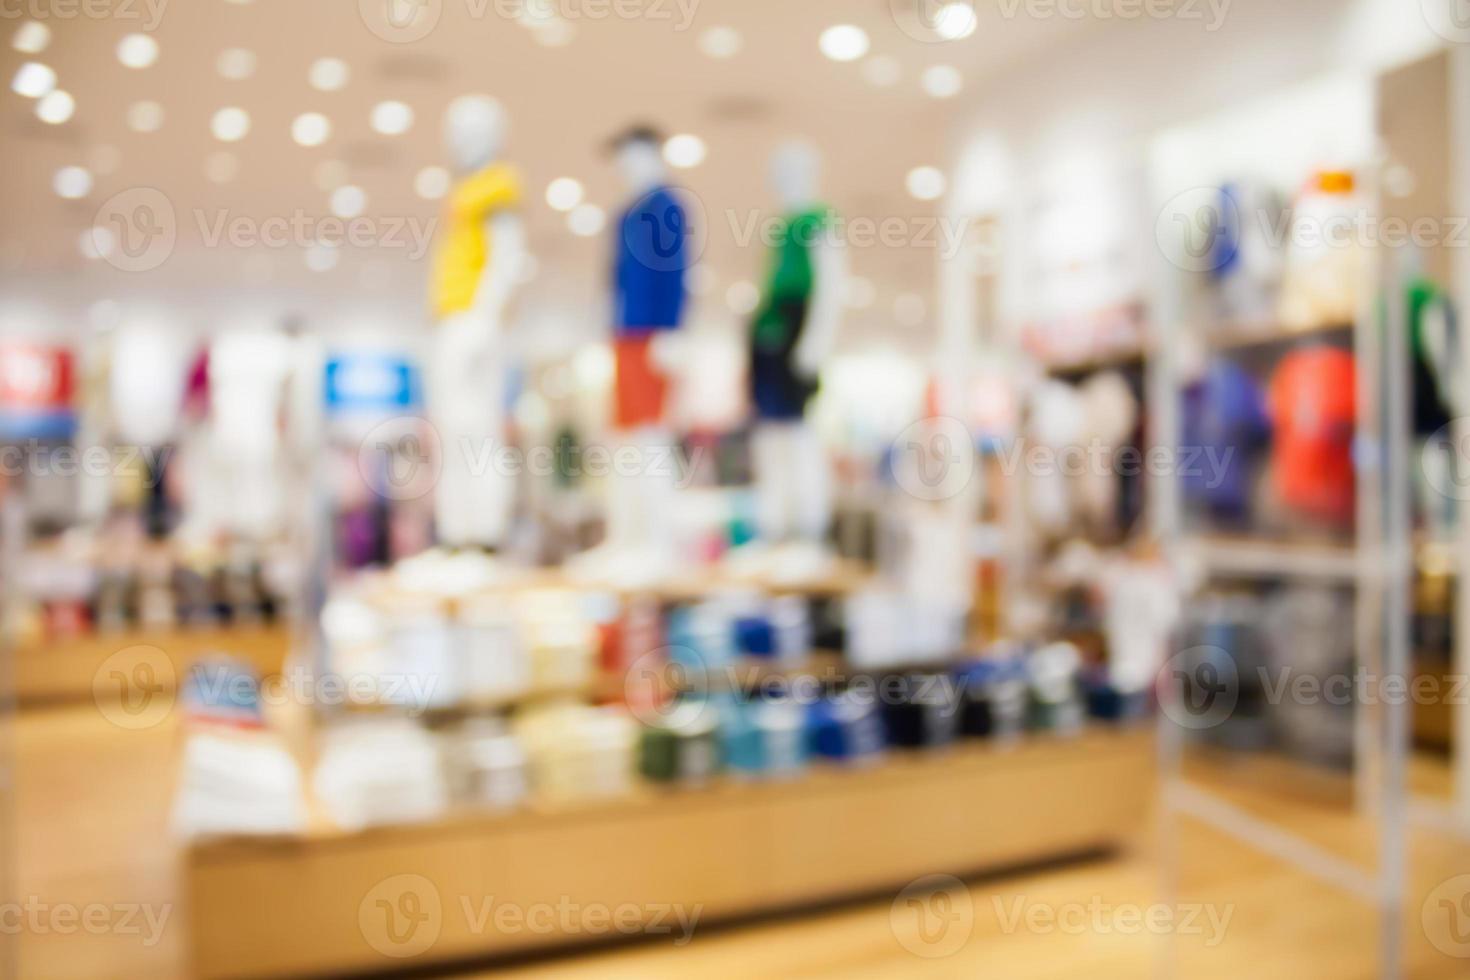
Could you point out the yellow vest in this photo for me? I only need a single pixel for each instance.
(463, 247)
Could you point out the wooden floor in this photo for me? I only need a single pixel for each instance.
(93, 829)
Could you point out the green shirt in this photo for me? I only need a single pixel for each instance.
(789, 276)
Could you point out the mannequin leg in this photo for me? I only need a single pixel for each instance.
(475, 492)
(811, 484)
(773, 478)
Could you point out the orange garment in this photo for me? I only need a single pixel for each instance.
(1313, 406)
(640, 387)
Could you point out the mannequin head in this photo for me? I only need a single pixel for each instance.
(639, 157)
(474, 132)
(795, 169)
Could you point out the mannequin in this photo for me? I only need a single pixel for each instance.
(649, 300)
(791, 336)
(478, 256)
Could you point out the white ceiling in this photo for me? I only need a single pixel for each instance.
(564, 102)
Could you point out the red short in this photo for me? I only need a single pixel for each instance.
(639, 386)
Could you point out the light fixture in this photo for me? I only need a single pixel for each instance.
(684, 150)
(72, 182)
(925, 183)
(348, 201)
(721, 42)
(555, 33)
(145, 116)
(235, 64)
(956, 21)
(31, 37)
(431, 183)
(33, 80)
(137, 51)
(311, 129)
(391, 118)
(328, 74)
(844, 42)
(586, 220)
(564, 193)
(230, 124)
(941, 81)
(56, 107)
(742, 297)
(882, 70)
(221, 166)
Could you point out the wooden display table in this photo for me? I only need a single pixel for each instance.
(78, 669)
(403, 897)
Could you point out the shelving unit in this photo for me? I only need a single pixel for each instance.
(730, 849)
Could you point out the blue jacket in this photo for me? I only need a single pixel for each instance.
(651, 254)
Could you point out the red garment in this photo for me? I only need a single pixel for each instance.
(640, 387)
(1313, 406)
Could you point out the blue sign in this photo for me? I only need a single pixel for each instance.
(371, 383)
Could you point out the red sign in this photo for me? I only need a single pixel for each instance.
(35, 377)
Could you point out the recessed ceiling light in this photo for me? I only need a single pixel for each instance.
(942, 81)
(391, 118)
(742, 297)
(844, 42)
(72, 182)
(31, 37)
(329, 174)
(586, 220)
(925, 183)
(956, 21)
(56, 107)
(221, 166)
(882, 70)
(230, 124)
(321, 258)
(145, 116)
(328, 74)
(564, 193)
(431, 183)
(721, 42)
(858, 292)
(555, 33)
(137, 51)
(684, 151)
(235, 63)
(311, 129)
(348, 201)
(33, 80)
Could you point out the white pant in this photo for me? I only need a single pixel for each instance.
(476, 491)
(640, 503)
(792, 483)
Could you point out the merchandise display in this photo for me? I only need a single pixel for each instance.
(777, 488)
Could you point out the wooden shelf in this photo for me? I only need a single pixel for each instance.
(1267, 558)
(1242, 336)
(67, 670)
(309, 905)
